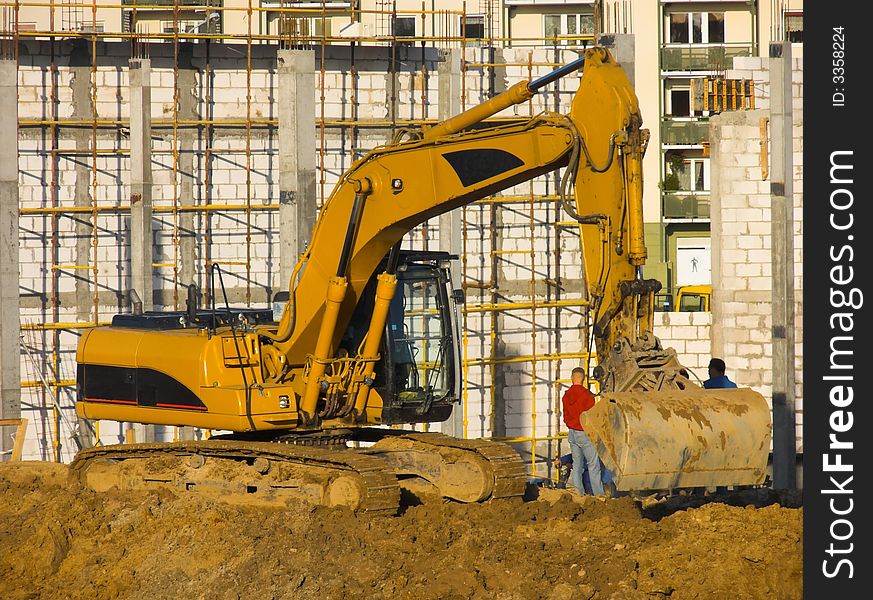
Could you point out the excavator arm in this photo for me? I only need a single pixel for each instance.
(376, 203)
(382, 198)
(653, 427)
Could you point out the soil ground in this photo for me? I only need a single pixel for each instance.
(61, 540)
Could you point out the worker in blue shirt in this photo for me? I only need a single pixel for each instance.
(717, 378)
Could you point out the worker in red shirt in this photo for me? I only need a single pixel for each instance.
(577, 400)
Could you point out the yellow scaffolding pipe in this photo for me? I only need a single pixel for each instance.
(508, 306)
(53, 326)
(45, 210)
(55, 384)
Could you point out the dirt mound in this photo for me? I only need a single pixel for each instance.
(60, 540)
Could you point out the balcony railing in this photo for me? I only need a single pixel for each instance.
(686, 205)
(684, 133)
(702, 58)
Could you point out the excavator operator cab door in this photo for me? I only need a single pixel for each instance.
(418, 376)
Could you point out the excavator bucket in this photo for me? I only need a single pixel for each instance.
(681, 439)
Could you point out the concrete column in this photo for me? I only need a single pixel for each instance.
(450, 227)
(10, 329)
(501, 421)
(392, 86)
(80, 87)
(297, 182)
(782, 243)
(141, 236)
(187, 109)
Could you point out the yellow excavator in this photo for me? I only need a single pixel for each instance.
(369, 336)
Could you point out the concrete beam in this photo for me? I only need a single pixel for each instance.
(10, 328)
(141, 235)
(297, 182)
(782, 244)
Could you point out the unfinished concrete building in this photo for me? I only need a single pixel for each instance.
(159, 148)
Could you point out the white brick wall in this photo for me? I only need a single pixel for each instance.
(687, 333)
(742, 229)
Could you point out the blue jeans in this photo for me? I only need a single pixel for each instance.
(584, 453)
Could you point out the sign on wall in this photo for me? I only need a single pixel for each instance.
(693, 265)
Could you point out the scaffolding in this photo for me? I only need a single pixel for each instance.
(216, 181)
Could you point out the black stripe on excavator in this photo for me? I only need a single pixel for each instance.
(473, 166)
(131, 385)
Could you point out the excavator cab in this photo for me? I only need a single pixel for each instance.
(418, 377)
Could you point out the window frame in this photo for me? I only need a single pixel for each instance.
(473, 20)
(793, 14)
(405, 19)
(564, 19)
(702, 17)
(689, 167)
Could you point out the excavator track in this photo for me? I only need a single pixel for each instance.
(509, 471)
(375, 484)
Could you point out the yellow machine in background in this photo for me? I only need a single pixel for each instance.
(694, 298)
(347, 354)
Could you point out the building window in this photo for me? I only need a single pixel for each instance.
(680, 103)
(184, 26)
(404, 27)
(688, 28)
(696, 28)
(678, 28)
(715, 30)
(551, 26)
(303, 27)
(474, 27)
(794, 27)
(685, 174)
(91, 27)
(572, 26)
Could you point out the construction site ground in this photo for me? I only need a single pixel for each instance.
(61, 540)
